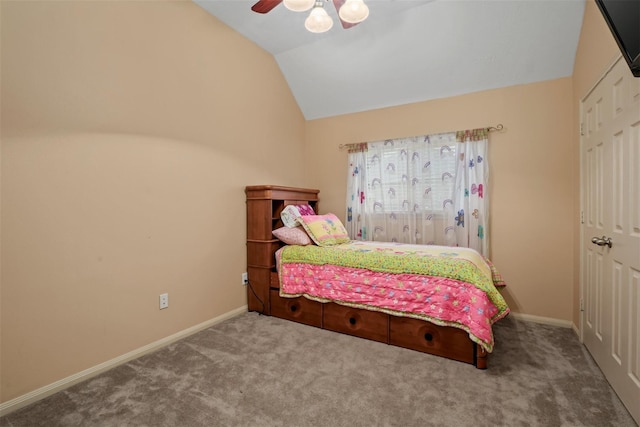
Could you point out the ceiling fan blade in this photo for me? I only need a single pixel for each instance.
(264, 6)
(338, 4)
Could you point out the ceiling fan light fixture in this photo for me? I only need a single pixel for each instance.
(353, 11)
(318, 20)
(299, 5)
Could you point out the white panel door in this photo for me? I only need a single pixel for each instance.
(611, 231)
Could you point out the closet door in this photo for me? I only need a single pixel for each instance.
(611, 231)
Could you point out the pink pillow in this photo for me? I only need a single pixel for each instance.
(293, 236)
(291, 213)
(305, 210)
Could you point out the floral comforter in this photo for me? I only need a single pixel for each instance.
(449, 286)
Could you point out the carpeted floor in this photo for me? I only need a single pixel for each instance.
(262, 371)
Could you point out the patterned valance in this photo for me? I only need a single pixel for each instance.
(357, 148)
(472, 135)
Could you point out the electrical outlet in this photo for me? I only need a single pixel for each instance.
(245, 278)
(164, 301)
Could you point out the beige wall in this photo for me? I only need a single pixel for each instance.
(597, 50)
(531, 179)
(129, 130)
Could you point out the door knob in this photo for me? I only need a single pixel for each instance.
(602, 241)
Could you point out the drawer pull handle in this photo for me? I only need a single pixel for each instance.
(293, 308)
(352, 320)
(428, 337)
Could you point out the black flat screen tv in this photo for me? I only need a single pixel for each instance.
(623, 18)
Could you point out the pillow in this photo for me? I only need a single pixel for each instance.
(305, 210)
(324, 230)
(293, 236)
(291, 213)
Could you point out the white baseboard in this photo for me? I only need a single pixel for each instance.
(543, 320)
(38, 394)
(576, 330)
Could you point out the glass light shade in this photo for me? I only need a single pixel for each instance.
(353, 11)
(318, 20)
(299, 5)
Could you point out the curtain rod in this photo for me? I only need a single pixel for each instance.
(495, 128)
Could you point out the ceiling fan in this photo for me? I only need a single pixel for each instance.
(350, 12)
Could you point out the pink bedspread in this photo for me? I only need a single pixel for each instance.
(444, 285)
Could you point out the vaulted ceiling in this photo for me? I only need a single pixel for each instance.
(412, 50)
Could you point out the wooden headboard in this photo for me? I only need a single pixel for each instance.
(264, 205)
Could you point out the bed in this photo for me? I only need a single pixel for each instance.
(437, 300)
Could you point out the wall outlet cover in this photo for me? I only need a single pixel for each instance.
(164, 301)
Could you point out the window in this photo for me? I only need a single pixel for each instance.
(425, 190)
(411, 175)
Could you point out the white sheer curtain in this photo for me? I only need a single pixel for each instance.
(471, 199)
(401, 190)
(356, 186)
(428, 189)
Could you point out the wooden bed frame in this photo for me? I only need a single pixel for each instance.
(264, 205)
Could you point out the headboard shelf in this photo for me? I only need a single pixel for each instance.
(264, 206)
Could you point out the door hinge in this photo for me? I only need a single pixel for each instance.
(581, 304)
(581, 217)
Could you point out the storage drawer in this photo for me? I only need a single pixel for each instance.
(299, 309)
(360, 323)
(420, 335)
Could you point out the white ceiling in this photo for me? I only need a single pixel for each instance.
(412, 50)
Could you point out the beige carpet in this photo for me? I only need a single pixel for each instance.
(261, 371)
